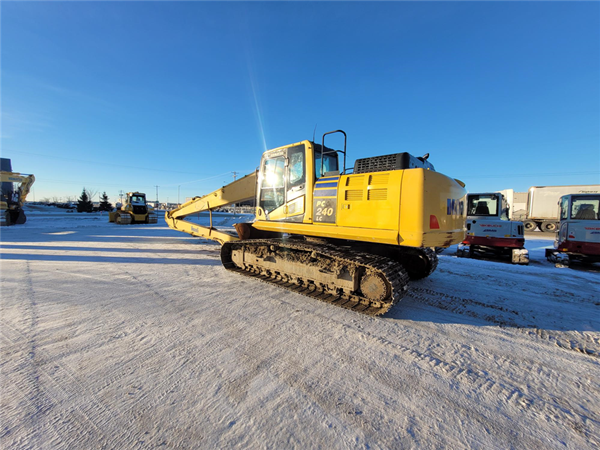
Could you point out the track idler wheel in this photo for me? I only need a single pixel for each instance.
(374, 287)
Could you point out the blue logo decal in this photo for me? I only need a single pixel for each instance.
(454, 207)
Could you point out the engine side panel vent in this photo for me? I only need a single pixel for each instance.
(377, 194)
(354, 195)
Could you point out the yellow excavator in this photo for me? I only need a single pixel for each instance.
(14, 188)
(352, 238)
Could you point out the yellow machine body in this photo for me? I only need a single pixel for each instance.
(135, 210)
(411, 207)
(11, 203)
(350, 239)
(238, 191)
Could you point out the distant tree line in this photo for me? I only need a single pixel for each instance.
(85, 204)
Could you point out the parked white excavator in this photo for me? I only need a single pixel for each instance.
(490, 233)
(350, 239)
(578, 237)
(14, 188)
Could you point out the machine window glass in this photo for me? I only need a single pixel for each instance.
(505, 215)
(585, 208)
(296, 168)
(483, 205)
(272, 191)
(330, 163)
(564, 208)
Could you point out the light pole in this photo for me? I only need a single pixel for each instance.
(178, 187)
(234, 178)
(156, 196)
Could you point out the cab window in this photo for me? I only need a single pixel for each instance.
(585, 208)
(330, 163)
(483, 205)
(296, 166)
(272, 191)
(564, 208)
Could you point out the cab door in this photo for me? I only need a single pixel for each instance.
(282, 184)
(296, 184)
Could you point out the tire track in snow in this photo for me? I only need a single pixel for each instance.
(480, 380)
(505, 317)
(230, 340)
(586, 423)
(57, 385)
(63, 387)
(327, 393)
(173, 344)
(512, 394)
(124, 279)
(584, 343)
(53, 386)
(498, 315)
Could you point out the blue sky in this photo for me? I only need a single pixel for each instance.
(130, 95)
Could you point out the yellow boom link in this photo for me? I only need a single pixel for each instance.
(240, 190)
(25, 180)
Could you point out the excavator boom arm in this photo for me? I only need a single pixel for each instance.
(238, 191)
(26, 181)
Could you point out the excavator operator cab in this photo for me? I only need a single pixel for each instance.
(578, 236)
(580, 207)
(288, 174)
(282, 177)
(138, 199)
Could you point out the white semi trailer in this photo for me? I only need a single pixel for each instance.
(542, 204)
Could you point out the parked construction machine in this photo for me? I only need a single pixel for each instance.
(578, 237)
(135, 210)
(14, 188)
(541, 204)
(351, 239)
(489, 230)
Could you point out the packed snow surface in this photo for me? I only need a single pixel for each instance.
(134, 336)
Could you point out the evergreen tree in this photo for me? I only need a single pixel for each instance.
(84, 203)
(105, 205)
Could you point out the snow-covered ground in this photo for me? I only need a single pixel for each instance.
(135, 337)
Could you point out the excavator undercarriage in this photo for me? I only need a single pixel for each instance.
(343, 276)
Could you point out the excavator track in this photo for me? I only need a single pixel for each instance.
(423, 263)
(344, 277)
